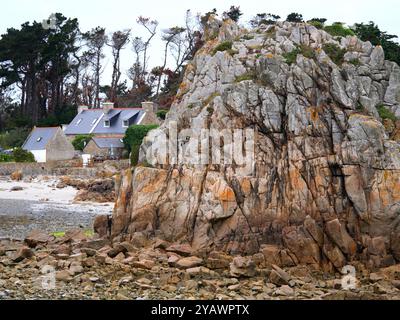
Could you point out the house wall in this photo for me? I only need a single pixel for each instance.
(40, 155)
(94, 150)
(59, 148)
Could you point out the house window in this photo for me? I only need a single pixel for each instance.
(125, 123)
(106, 123)
(78, 122)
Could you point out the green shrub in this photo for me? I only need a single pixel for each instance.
(162, 114)
(337, 29)
(223, 46)
(6, 158)
(334, 52)
(385, 113)
(306, 51)
(81, 141)
(21, 155)
(133, 139)
(355, 62)
(291, 56)
(316, 24)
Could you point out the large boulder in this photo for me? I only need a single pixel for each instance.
(324, 176)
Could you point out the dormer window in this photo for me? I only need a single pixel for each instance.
(106, 123)
(125, 123)
(79, 122)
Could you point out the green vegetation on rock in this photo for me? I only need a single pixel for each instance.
(385, 113)
(223, 46)
(338, 29)
(133, 139)
(334, 52)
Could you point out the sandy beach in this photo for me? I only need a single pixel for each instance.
(40, 205)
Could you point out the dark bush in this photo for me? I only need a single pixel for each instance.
(81, 141)
(162, 114)
(133, 139)
(21, 155)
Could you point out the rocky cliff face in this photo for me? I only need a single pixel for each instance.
(325, 186)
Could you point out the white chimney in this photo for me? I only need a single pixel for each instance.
(82, 108)
(107, 107)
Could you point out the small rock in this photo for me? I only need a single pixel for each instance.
(374, 277)
(284, 291)
(189, 262)
(278, 276)
(161, 244)
(181, 249)
(37, 237)
(23, 253)
(143, 264)
(16, 188)
(63, 275)
(396, 284)
(241, 266)
(17, 175)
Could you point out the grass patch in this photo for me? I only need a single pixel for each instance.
(223, 46)
(385, 113)
(246, 76)
(306, 51)
(334, 52)
(356, 62)
(59, 234)
(247, 37)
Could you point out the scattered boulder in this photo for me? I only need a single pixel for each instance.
(218, 260)
(37, 237)
(189, 262)
(242, 267)
(279, 276)
(17, 175)
(22, 253)
(102, 225)
(181, 249)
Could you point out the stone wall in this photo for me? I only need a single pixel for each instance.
(60, 168)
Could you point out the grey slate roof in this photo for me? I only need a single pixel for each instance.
(108, 142)
(39, 138)
(92, 121)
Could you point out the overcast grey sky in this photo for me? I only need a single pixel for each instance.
(122, 14)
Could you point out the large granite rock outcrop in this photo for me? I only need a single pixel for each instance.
(325, 186)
